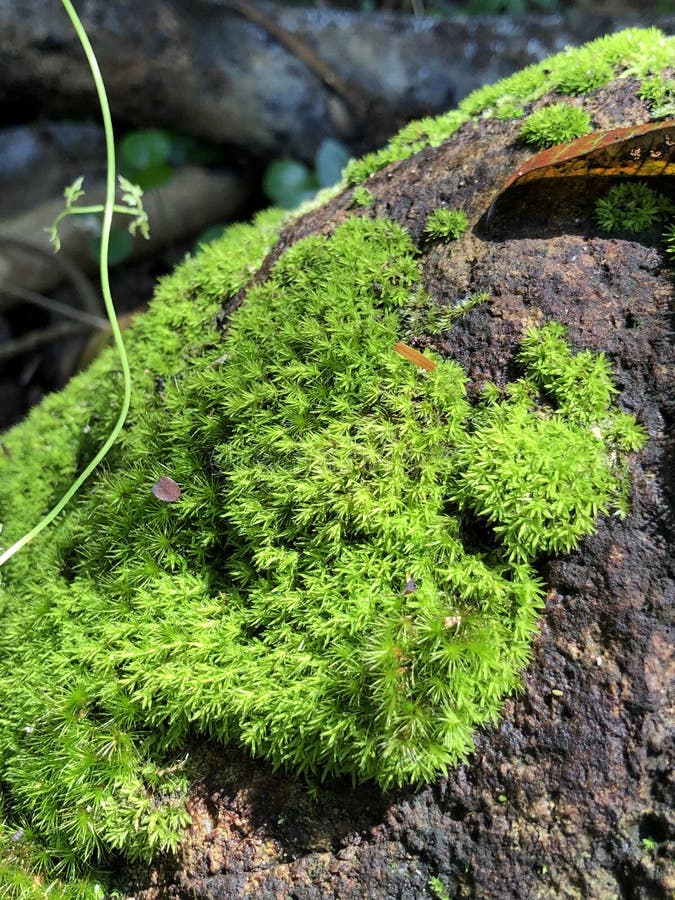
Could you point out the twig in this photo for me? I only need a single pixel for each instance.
(90, 299)
(35, 339)
(353, 98)
(55, 306)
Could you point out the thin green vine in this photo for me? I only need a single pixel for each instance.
(131, 197)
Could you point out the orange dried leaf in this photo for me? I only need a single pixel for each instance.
(414, 356)
(639, 151)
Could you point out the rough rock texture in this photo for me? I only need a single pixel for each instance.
(557, 798)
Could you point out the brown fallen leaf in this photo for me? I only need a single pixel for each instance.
(414, 356)
(637, 151)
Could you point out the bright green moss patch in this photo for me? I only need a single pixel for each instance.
(584, 70)
(659, 93)
(361, 196)
(555, 124)
(310, 597)
(446, 224)
(545, 507)
(632, 206)
(639, 52)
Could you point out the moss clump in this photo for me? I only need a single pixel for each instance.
(447, 224)
(310, 595)
(425, 316)
(555, 124)
(545, 507)
(362, 197)
(631, 206)
(659, 93)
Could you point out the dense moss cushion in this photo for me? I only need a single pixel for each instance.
(346, 584)
(311, 595)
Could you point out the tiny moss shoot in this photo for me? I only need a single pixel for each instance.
(658, 93)
(555, 124)
(361, 196)
(438, 889)
(632, 206)
(669, 237)
(446, 224)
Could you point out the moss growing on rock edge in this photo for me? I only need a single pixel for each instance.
(555, 124)
(637, 52)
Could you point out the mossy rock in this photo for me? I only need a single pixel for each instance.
(366, 553)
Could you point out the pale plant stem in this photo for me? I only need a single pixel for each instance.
(88, 210)
(108, 208)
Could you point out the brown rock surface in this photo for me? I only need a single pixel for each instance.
(558, 796)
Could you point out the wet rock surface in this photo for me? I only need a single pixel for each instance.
(560, 794)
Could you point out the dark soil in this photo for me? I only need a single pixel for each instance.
(560, 796)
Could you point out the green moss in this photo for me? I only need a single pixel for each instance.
(447, 224)
(659, 93)
(638, 52)
(631, 206)
(362, 197)
(545, 508)
(320, 473)
(423, 315)
(583, 72)
(508, 109)
(438, 889)
(358, 170)
(555, 124)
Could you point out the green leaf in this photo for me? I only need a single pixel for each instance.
(73, 191)
(185, 148)
(288, 182)
(330, 160)
(121, 243)
(54, 238)
(131, 193)
(154, 176)
(145, 148)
